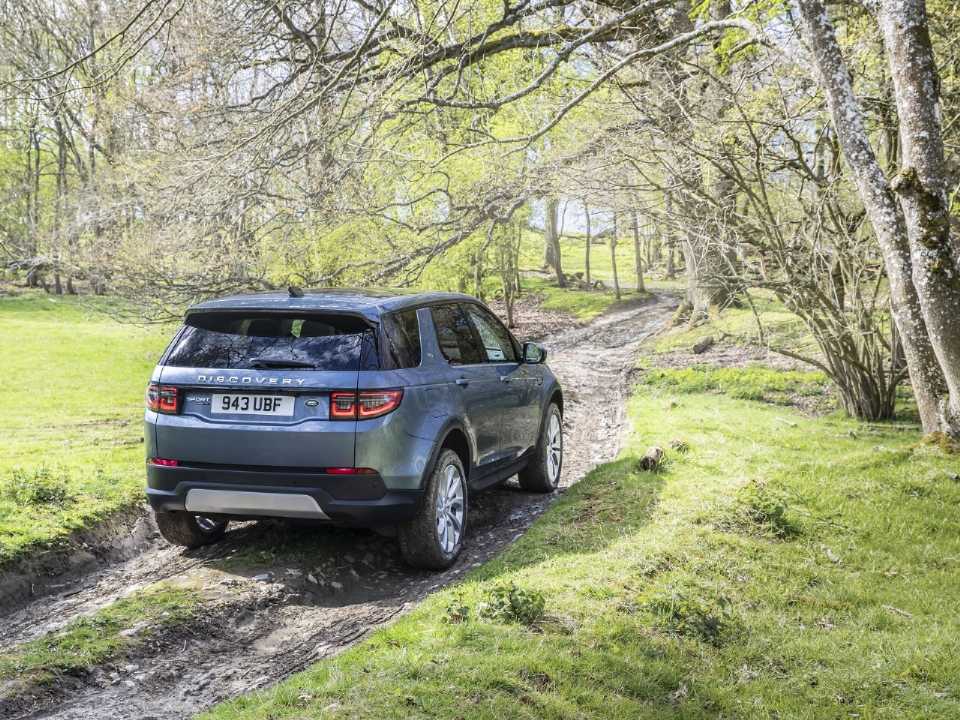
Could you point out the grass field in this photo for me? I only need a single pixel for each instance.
(71, 401)
(782, 567)
(583, 304)
(572, 257)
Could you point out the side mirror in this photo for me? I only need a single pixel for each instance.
(534, 354)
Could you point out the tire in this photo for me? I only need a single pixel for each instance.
(431, 540)
(188, 530)
(542, 473)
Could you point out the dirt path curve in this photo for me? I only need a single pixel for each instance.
(278, 597)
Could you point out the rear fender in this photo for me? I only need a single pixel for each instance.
(449, 427)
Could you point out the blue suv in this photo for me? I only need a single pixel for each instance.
(353, 407)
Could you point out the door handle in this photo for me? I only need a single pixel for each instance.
(462, 382)
(505, 379)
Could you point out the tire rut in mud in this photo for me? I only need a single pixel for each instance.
(278, 597)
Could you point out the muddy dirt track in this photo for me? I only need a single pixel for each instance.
(278, 597)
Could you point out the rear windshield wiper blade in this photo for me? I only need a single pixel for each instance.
(278, 363)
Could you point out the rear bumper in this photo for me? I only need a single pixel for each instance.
(358, 500)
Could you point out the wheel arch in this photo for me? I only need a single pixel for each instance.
(454, 437)
(456, 440)
(556, 396)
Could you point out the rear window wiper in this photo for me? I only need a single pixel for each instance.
(278, 363)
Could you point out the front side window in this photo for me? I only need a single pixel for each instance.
(455, 335)
(274, 340)
(402, 332)
(497, 344)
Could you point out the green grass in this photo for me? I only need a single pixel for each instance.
(754, 382)
(583, 304)
(782, 329)
(95, 639)
(71, 404)
(572, 259)
(781, 567)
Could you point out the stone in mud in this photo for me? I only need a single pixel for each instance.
(701, 346)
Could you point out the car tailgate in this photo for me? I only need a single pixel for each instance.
(303, 437)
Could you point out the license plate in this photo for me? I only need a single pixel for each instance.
(237, 404)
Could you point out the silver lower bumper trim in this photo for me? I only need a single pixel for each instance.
(236, 502)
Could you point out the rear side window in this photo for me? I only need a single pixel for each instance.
(458, 343)
(402, 332)
(264, 341)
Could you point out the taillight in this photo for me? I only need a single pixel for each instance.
(363, 405)
(164, 462)
(349, 471)
(343, 405)
(163, 399)
(374, 403)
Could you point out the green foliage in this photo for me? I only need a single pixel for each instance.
(458, 610)
(692, 610)
(507, 602)
(39, 487)
(760, 508)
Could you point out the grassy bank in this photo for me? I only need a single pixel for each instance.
(98, 638)
(781, 567)
(777, 327)
(70, 416)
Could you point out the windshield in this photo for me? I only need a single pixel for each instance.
(274, 341)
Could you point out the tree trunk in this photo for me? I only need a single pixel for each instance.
(516, 270)
(921, 186)
(33, 276)
(478, 275)
(669, 242)
(613, 258)
(551, 241)
(60, 202)
(586, 247)
(882, 208)
(704, 252)
(637, 253)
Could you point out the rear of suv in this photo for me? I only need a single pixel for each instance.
(359, 408)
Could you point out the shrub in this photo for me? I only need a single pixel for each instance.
(457, 610)
(691, 612)
(507, 602)
(761, 509)
(40, 487)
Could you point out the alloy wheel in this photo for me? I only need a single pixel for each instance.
(450, 508)
(554, 448)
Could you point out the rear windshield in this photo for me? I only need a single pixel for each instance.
(274, 341)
